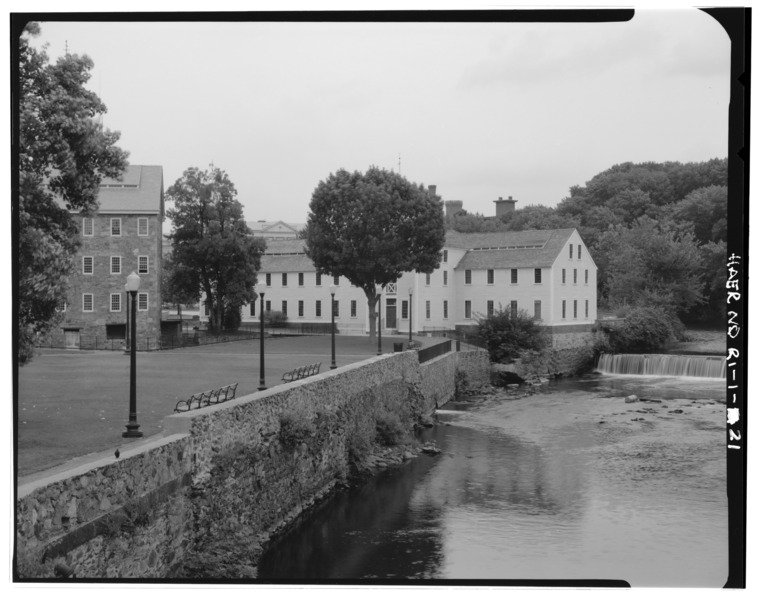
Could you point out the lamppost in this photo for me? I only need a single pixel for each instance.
(410, 315)
(333, 329)
(262, 385)
(378, 296)
(133, 429)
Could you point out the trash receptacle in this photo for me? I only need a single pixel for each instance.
(398, 346)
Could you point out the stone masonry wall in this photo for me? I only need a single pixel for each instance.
(235, 471)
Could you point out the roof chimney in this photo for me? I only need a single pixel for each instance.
(433, 190)
(504, 206)
(452, 206)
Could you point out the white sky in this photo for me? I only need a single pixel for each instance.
(480, 110)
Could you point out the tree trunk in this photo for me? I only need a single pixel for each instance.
(373, 317)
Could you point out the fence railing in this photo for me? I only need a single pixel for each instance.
(430, 353)
(464, 337)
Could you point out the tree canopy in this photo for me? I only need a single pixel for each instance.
(372, 227)
(213, 250)
(63, 153)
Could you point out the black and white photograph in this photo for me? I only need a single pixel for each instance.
(447, 297)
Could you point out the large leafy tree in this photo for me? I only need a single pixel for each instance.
(63, 153)
(372, 227)
(213, 250)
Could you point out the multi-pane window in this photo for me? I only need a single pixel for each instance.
(318, 308)
(563, 275)
(468, 309)
(87, 265)
(404, 309)
(468, 276)
(353, 309)
(318, 279)
(300, 307)
(514, 309)
(284, 307)
(444, 277)
(538, 275)
(335, 308)
(579, 250)
(490, 276)
(116, 227)
(335, 280)
(142, 226)
(116, 265)
(538, 309)
(268, 279)
(444, 256)
(514, 275)
(428, 309)
(490, 308)
(444, 308)
(575, 309)
(61, 306)
(206, 309)
(301, 279)
(87, 226)
(571, 250)
(585, 276)
(284, 279)
(87, 303)
(142, 300)
(253, 308)
(268, 306)
(428, 278)
(563, 309)
(575, 276)
(142, 265)
(587, 308)
(116, 303)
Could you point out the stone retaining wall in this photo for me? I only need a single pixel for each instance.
(238, 470)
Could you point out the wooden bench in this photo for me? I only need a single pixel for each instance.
(207, 398)
(301, 372)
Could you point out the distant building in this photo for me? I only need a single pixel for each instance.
(549, 274)
(125, 235)
(275, 230)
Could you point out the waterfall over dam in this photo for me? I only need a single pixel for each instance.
(673, 365)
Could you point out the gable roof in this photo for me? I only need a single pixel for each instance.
(139, 191)
(274, 226)
(508, 249)
(286, 256)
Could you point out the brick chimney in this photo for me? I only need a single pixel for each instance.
(504, 206)
(433, 190)
(452, 206)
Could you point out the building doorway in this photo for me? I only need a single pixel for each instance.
(391, 313)
(71, 339)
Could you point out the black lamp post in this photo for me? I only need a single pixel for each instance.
(133, 429)
(333, 329)
(262, 385)
(410, 315)
(378, 295)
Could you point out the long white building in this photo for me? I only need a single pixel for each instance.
(549, 274)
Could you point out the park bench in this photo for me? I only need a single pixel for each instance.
(301, 372)
(207, 398)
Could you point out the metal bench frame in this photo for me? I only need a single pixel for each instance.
(301, 372)
(207, 398)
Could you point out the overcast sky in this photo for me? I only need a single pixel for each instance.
(479, 110)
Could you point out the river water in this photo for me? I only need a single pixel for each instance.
(567, 483)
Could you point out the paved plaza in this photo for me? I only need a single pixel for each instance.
(74, 403)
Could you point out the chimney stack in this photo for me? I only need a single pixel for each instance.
(433, 190)
(504, 206)
(452, 206)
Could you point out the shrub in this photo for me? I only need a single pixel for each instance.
(390, 430)
(644, 329)
(275, 318)
(506, 336)
(295, 429)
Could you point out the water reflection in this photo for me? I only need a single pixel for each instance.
(570, 483)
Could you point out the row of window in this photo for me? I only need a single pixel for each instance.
(299, 308)
(514, 276)
(299, 277)
(579, 251)
(115, 226)
(574, 313)
(115, 265)
(115, 302)
(563, 276)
